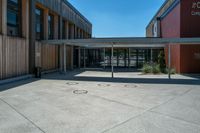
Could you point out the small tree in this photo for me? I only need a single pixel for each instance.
(161, 61)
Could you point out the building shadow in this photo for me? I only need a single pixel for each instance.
(74, 76)
(15, 84)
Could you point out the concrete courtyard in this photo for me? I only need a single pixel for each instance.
(92, 102)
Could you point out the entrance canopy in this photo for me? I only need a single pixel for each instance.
(137, 42)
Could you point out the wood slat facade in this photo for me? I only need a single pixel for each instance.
(68, 12)
(20, 55)
(47, 56)
(13, 57)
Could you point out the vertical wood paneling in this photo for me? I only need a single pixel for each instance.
(1, 60)
(0, 16)
(13, 57)
(49, 56)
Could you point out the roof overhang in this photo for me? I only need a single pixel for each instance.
(141, 42)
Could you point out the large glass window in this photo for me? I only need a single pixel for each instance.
(14, 17)
(50, 26)
(64, 30)
(39, 24)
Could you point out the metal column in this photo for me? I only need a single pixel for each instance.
(79, 57)
(169, 61)
(129, 53)
(112, 67)
(72, 57)
(61, 58)
(104, 54)
(84, 58)
(151, 55)
(65, 63)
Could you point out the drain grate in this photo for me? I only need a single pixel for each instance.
(131, 86)
(72, 83)
(104, 85)
(80, 91)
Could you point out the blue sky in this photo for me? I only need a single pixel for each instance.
(118, 18)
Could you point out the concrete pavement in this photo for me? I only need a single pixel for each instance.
(127, 106)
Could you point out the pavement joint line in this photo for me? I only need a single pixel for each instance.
(149, 110)
(170, 99)
(176, 118)
(114, 101)
(22, 115)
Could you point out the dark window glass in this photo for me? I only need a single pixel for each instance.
(50, 26)
(39, 24)
(13, 17)
(63, 30)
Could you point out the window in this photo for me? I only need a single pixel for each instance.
(13, 17)
(39, 24)
(50, 26)
(64, 30)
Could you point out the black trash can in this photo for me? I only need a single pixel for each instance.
(38, 72)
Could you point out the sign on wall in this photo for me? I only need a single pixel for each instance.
(195, 8)
(156, 28)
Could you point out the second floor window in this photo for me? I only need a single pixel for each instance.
(13, 17)
(39, 24)
(63, 30)
(50, 26)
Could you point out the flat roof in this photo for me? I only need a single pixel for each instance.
(123, 42)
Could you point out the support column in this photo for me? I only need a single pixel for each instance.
(72, 57)
(112, 67)
(104, 58)
(79, 57)
(129, 61)
(84, 58)
(66, 30)
(64, 59)
(31, 35)
(1, 16)
(75, 32)
(61, 48)
(4, 17)
(137, 58)
(25, 19)
(169, 61)
(117, 57)
(55, 21)
(151, 55)
(45, 20)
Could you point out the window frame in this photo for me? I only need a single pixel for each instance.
(50, 27)
(41, 24)
(18, 13)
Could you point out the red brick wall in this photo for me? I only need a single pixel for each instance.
(170, 25)
(170, 28)
(190, 25)
(180, 23)
(190, 58)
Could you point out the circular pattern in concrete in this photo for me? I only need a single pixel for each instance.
(80, 91)
(131, 86)
(104, 85)
(72, 83)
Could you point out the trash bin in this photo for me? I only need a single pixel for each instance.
(38, 72)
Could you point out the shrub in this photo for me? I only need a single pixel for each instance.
(161, 61)
(156, 69)
(151, 68)
(146, 68)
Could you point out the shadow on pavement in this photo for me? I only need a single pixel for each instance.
(11, 85)
(126, 80)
